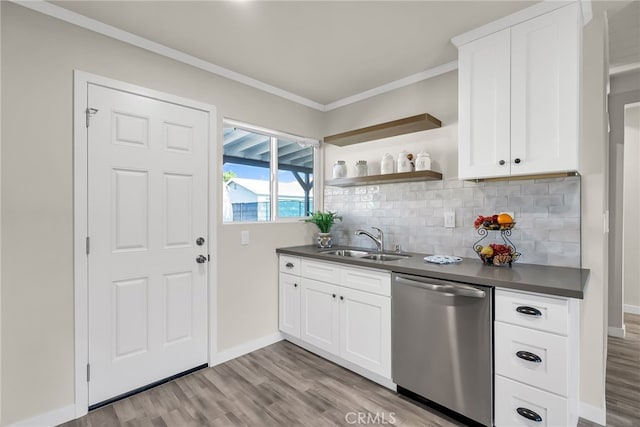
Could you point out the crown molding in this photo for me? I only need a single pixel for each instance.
(96, 26)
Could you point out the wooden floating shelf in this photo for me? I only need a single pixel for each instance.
(385, 179)
(384, 130)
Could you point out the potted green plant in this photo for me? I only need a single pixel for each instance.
(324, 221)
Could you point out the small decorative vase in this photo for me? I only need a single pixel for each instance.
(324, 240)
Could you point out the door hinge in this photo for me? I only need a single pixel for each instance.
(87, 245)
(90, 112)
(88, 372)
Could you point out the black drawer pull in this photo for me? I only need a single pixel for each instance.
(529, 414)
(529, 311)
(289, 265)
(529, 357)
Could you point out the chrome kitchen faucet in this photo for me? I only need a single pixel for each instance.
(379, 239)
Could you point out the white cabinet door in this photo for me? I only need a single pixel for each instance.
(484, 107)
(365, 330)
(289, 309)
(320, 315)
(545, 79)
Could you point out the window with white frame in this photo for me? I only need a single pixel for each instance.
(267, 175)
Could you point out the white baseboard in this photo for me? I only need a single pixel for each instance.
(594, 414)
(51, 418)
(633, 309)
(242, 349)
(614, 331)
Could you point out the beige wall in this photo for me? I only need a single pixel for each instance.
(39, 55)
(631, 206)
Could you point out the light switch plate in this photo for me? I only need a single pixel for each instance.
(450, 219)
(244, 237)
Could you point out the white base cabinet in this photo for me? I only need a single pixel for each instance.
(537, 360)
(342, 311)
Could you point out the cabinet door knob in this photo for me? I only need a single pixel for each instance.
(516, 161)
(529, 311)
(529, 357)
(334, 295)
(341, 297)
(295, 285)
(529, 414)
(501, 162)
(289, 265)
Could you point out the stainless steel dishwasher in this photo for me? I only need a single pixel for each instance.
(442, 343)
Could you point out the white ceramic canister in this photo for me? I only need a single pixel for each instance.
(340, 169)
(404, 164)
(423, 162)
(361, 168)
(386, 165)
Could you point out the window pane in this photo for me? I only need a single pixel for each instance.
(246, 175)
(295, 179)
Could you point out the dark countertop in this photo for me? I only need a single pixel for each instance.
(558, 281)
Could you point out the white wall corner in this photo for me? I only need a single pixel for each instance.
(245, 348)
(617, 332)
(633, 309)
(51, 418)
(593, 413)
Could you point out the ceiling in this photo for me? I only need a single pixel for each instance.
(322, 51)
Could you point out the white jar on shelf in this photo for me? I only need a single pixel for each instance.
(361, 168)
(340, 169)
(386, 165)
(404, 163)
(423, 162)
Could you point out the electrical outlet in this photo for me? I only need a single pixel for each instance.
(450, 219)
(244, 237)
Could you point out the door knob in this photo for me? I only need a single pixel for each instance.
(200, 241)
(201, 259)
(517, 161)
(501, 162)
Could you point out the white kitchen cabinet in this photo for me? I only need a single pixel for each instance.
(365, 330)
(289, 304)
(537, 360)
(519, 98)
(344, 314)
(319, 313)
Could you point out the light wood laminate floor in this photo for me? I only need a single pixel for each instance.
(284, 385)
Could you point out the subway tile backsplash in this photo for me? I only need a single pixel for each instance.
(547, 215)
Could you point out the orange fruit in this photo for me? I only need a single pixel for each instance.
(504, 219)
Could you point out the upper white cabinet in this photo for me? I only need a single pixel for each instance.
(519, 98)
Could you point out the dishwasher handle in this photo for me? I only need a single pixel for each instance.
(452, 289)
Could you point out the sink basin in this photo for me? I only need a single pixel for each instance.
(346, 252)
(385, 257)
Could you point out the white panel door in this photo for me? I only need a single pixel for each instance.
(147, 194)
(545, 88)
(289, 304)
(365, 330)
(484, 107)
(319, 313)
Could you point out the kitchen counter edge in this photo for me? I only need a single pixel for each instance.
(549, 280)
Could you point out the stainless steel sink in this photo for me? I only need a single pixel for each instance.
(385, 257)
(346, 252)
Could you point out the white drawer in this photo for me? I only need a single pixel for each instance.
(511, 396)
(289, 264)
(377, 282)
(551, 370)
(323, 271)
(533, 311)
